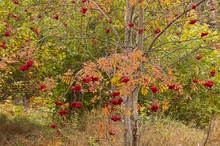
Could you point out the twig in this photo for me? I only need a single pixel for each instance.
(4, 138)
(186, 56)
(208, 134)
(103, 13)
(157, 36)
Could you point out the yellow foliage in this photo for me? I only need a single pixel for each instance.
(8, 109)
(64, 106)
(36, 101)
(105, 111)
(166, 105)
(163, 88)
(132, 2)
(68, 77)
(141, 4)
(116, 80)
(94, 99)
(144, 90)
(142, 111)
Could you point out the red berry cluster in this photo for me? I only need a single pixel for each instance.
(154, 89)
(34, 30)
(157, 31)
(125, 79)
(204, 34)
(193, 21)
(154, 107)
(209, 83)
(42, 86)
(26, 66)
(3, 45)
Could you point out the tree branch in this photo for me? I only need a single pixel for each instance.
(158, 35)
(103, 13)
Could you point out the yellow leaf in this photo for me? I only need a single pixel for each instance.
(144, 90)
(132, 2)
(165, 105)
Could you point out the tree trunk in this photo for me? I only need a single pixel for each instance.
(131, 135)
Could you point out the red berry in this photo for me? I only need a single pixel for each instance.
(42, 86)
(32, 28)
(16, 2)
(58, 103)
(53, 125)
(2, 44)
(112, 132)
(76, 104)
(154, 89)
(29, 63)
(212, 72)
(84, 1)
(198, 57)
(7, 34)
(204, 34)
(27, 41)
(154, 107)
(194, 6)
(195, 81)
(157, 31)
(115, 93)
(193, 21)
(115, 118)
(107, 30)
(109, 21)
(39, 16)
(58, 132)
(141, 30)
(62, 112)
(77, 87)
(106, 103)
(209, 83)
(115, 101)
(64, 24)
(94, 78)
(120, 100)
(131, 24)
(84, 10)
(24, 67)
(86, 79)
(56, 17)
(125, 79)
(212, 8)
(31, 18)
(172, 86)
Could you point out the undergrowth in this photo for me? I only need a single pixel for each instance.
(20, 131)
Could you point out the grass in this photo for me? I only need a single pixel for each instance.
(23, 132)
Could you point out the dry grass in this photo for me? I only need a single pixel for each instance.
(169, 133)
(21, 132)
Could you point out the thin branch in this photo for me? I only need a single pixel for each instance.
(103, 13)
(192, 39)
(208, 134)
(158, 35)
(186, 56)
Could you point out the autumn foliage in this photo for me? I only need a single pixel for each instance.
(71, 58)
